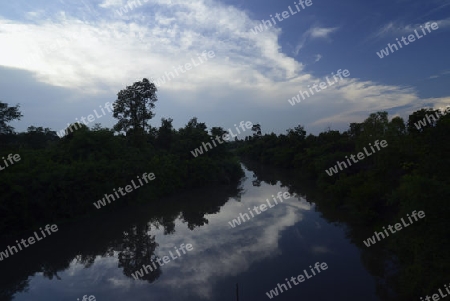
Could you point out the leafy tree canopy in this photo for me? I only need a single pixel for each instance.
(7, 114)
(133, 107)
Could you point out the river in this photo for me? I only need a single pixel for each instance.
(97, 256)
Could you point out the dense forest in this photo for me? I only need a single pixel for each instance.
(411, 173)
(57, 179)
(46, 178)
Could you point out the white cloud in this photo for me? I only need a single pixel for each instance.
(320, 32)
(113, 52)
(258, 239)
(102, 55)
(318, 57)
(314, 33)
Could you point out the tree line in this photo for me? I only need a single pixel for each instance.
(58, 179)
(411, 173)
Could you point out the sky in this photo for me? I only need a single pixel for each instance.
(63, 59)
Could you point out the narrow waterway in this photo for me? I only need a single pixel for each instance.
(98, 256)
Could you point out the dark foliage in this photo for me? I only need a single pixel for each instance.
(411, 173)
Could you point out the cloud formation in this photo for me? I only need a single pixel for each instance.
(94, 52)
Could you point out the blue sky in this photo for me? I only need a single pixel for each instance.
(63, 59)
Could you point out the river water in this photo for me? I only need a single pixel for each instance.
(97, 256)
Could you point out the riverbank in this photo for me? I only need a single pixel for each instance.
(97, 253)
(412, 173)
(59, 180)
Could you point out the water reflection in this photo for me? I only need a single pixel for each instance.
(138, 249)
(97, 256)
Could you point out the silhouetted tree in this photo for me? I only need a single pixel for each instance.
(165, 133)
(298, 132)
(256, 128)
(8, 114)
(133, 107)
